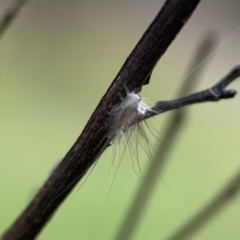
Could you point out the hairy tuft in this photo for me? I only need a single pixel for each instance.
(126, 114)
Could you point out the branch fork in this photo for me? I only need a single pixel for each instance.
(88, 147)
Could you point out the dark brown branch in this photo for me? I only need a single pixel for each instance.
(215, 93)
(10, 15)
(92, 142)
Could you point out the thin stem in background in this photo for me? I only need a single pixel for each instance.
(200, 219)
(10, 15)
(151, 178)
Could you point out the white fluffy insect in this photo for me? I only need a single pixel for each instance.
(132, 110)
(127, 118)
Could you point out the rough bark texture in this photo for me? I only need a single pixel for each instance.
(134, 73)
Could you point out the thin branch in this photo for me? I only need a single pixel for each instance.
(92, 142)
(172, 130)
(214, 93)
(10, 15)
(201, 218)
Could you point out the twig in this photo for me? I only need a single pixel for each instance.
(175, 123)
(10, 15)
(201, 218)
(214, 93)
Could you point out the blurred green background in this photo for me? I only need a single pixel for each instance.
(56, 62)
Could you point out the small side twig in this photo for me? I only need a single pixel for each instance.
(201, 218)
(214, 93)
(10, 15)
